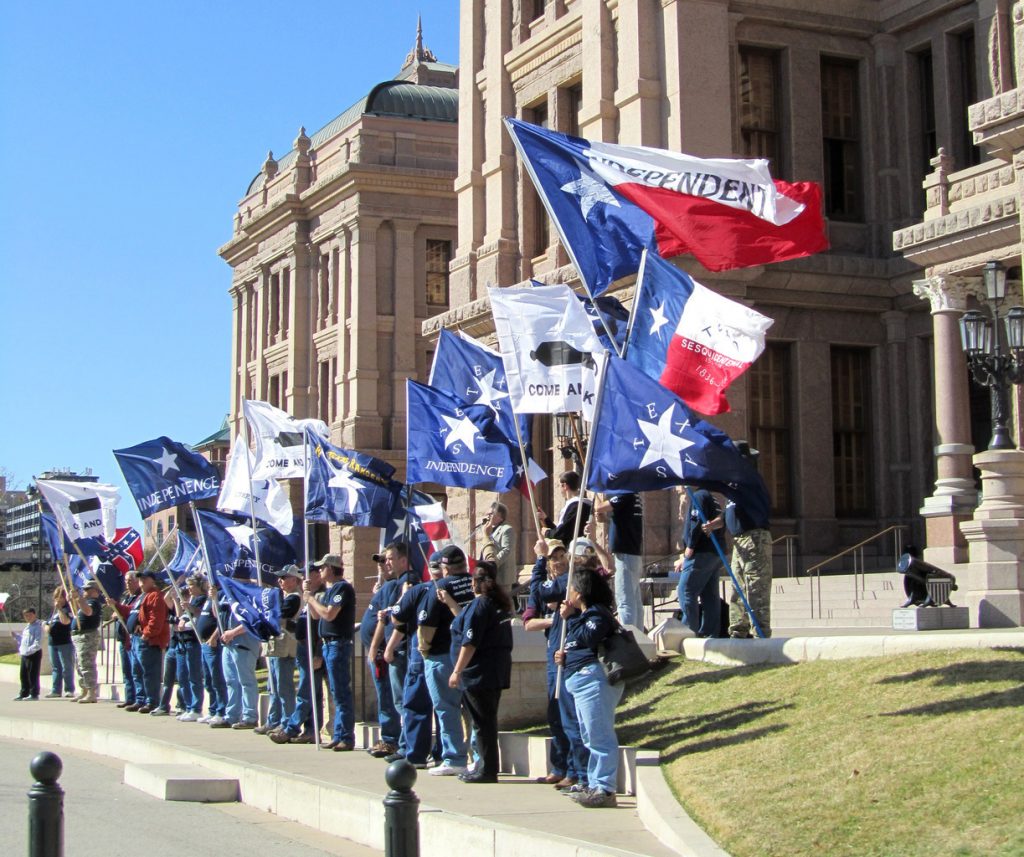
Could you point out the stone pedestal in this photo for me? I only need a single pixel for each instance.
(994, 589)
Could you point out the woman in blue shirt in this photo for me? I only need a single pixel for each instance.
(589, 621)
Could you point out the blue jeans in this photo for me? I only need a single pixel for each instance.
(213, 677)
(397, 670)
(151, 659)
(338, 664)
(628, 604)
(172, 679)
(302, 717)
(571, 757)
(387, 715)
(138, 674)
(282, 700)
(418, 716)
(126, 672)
(699, 580)
(447, 706)
(62, 666)
(595, 708)
(190, 675)
(240, 677)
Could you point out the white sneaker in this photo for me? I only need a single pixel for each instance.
(188, 717)
(446, 769)
(206, 718)
(216, 721)
(159, 712)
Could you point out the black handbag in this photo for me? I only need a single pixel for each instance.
(622, 657)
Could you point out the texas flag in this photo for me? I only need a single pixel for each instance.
(610, 202)
(693, 340)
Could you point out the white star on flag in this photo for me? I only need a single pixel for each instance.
(242, 534)
(344, 480)
(167, 461)
(590, 192)
(664, 444)
(489, 393)
(463, 430)
(658, 320)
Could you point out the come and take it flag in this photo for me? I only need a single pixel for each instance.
(645, 439)
(279, 440)
(609, 202)
(162, 473)
(268, 501)
(231, 550)
(348, 487)
(694, 341)
(86, 511)
(452, 443)
(548, 346)
(256, 607)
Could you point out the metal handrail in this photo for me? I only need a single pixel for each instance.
(789, 539)
(858, 564)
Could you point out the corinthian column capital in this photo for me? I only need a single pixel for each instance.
(946, 293)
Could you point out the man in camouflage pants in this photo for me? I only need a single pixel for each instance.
(746, 518)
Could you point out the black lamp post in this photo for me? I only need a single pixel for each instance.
(990, 367)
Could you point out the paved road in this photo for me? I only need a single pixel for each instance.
(104, 817)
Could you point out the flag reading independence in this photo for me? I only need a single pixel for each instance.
(279, 440)
(162, 473)
(645, 439)
(86, 511)
(348, 487)
(230, 548)
(694, 341)
(609, 202)
(548, 345)
(268, 500)
(452, 443)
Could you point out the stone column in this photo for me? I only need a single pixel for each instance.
(955, 496)
(597, 112)
(301, 300)
(239, 346)
(408, 264)
(362, 428)
(995, 576)
(895, 499)
(638, 97)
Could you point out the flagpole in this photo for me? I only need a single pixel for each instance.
(69, 590)
(309, 619)
(99, 583)
(526, 472)
(728, 567)
(210, 571)
(636, 300)
(252, 516)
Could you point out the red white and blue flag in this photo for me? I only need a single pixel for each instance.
(610, 202)
(125, 551)
(692, 340)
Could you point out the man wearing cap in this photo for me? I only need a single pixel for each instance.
(85, 635)
(123, 607)
(568, 754)
(434, 642)
(746, 517)
(155, 636)
(388, 719)
(336, 610)
(281, 663)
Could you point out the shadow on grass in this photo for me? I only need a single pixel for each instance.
(715, 743)
(1002, 670)
(1013, 698)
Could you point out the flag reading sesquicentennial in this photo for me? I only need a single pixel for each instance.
(347, 487)
(696, 342)
(162, 473)
(610, 202)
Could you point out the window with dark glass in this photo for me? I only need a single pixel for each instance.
(967, 154)
(770, 390)
(439, 257)
(760, 104)
(926, 94)
(539, 236)
(840, 123)
(851, 431)
(573, 101)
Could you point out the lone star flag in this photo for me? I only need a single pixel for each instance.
(548, 344)
(279, 440)
(452, 443)
(267, 502)
(230, 547)
(691, 339)
(84, 510)
(348, 487)
(162, 473)
(646, 439)
(609, 202)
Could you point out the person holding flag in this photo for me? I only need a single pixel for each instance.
(123, 607)
(62, 652)
(85, 635)
(154, 635)
(203, 601)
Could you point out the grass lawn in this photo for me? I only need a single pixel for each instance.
(905, 756)
(11, 658)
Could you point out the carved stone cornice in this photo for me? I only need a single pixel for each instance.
(948, 294)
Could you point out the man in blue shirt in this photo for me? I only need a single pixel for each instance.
(373, 652)
(336, 610)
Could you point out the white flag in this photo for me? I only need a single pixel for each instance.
(279, 440)
(84, 510)
(549, 349)
(269, 502)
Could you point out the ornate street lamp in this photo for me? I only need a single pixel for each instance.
(568, 439)
(990, 367)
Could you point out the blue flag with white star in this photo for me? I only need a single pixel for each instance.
(231, 549)
(453, 443)
(187, 559)
(256, 607)
(162, 473)
(347, 487)
(404, 525)
(646, 439)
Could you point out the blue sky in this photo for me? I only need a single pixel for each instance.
(129, 133)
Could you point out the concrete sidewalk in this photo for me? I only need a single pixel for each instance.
(341, 793)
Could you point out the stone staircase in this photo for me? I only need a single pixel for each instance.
(846, 601)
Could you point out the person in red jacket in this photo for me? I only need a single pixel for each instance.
(155, 631)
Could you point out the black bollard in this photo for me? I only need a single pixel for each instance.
(401, 806)
(46, 807)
